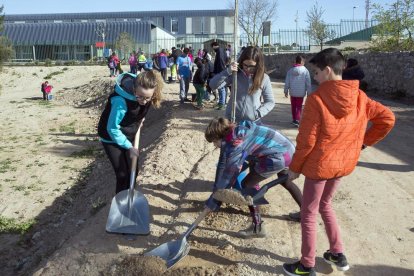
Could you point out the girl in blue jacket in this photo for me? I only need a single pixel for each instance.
(127, 106)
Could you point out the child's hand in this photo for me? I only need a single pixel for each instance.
(133, 152)
(293, 175)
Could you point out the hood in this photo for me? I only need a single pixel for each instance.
(125, 86)
(297, 70)
(339, 96)
(243, 129)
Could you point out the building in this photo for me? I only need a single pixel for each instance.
(84, 36)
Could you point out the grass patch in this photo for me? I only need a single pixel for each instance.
(49, 76)
(19, 188)
(45, 103)
(69, 128)
(12, 226)
(97, 205)
(5, 165)
(88, 152)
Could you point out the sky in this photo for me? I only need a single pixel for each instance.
(286, 12)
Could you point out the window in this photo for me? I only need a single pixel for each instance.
(174, 25)
(188, 25)
(197, 25)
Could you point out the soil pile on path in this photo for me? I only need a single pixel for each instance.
(138, 265)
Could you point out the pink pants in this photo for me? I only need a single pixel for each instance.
(296, 105)
(317, 196)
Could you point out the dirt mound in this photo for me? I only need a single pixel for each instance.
(92, 95)
(232, 197)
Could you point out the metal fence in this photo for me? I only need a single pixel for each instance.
(291, 40)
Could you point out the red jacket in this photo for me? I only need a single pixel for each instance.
(333, 129)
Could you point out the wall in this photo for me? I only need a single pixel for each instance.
(389, 74)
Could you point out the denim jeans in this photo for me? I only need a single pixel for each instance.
(222, 93)
(184, 86)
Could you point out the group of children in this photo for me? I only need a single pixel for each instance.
(332, 133)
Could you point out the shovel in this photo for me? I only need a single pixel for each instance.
(247, 196)
(174, 251)
(129, 213)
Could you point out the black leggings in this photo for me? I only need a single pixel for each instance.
(121, 163)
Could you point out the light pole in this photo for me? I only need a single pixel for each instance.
(353, 18)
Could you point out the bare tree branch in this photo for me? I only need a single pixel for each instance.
(252, 14)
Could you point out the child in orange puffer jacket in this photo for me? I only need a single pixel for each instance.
(332, 132)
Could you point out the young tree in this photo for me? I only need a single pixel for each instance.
(396, 26)
(6, 49)
(252, 14)
(318, 30)
(125, 44)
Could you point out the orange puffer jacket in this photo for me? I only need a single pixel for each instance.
(333, 129)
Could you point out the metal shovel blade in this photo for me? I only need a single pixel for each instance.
(171, 252)
(174, 251)
(129, 214)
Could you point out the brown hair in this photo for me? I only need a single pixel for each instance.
(148, 80)
(218, 129)
(254, 53)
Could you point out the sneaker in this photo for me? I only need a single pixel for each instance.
(339, 260)
(295, 216)
(220, 107)
(187, 100)
(253, 231)
(295, 123)
(298, 269)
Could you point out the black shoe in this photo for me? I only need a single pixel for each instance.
(295, 123)
(338, 260)
(187, 100)
(298, 269)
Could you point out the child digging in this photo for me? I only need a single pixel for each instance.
(268, 152)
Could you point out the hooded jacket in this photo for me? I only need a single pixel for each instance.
(249, 141)
(123, 114)
(248, 107)
(298, 82)
(334, 128)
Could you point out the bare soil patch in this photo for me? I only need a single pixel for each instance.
(53, 171)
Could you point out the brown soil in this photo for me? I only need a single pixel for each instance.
(232, 197)
(53, 169)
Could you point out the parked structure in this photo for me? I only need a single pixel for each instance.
(80, 36)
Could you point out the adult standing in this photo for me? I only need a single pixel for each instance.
(220, 63)
(297, 85)
(184, 74)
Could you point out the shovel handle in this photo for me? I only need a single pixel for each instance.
(136, 143)
(134, 158)
(200, 217)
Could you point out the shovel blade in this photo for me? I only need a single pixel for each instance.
(171, 252)
(129, 216)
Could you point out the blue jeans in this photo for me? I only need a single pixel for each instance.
(184, 86)
(222, 94)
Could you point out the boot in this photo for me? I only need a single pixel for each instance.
(253, 231)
